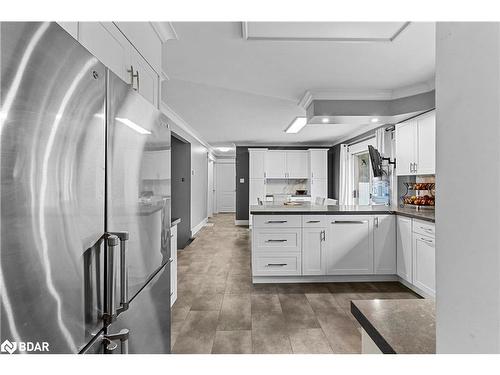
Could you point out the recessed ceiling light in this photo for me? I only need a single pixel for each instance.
(325, 120)
(297, 125)
(374, 119)
(132, 125)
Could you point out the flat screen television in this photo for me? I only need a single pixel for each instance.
(376, 161)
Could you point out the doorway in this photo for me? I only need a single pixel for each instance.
(361, 172)
(181, 188)
(226, 186)
(211, 188)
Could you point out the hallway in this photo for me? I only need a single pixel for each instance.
(219, 310)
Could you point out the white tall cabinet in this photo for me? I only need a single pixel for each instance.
(416, 145)
(318, 173)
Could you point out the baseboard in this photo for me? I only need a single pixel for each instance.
(322, 279)
(241, 222)
(416, 289)
(197, 228)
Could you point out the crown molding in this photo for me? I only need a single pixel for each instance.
(165, 31)
(179, 121)
(353, 94)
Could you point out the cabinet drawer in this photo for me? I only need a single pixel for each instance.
(313, 221)
(285, 239)
(276, 265)
(269, 221)
(424, 227)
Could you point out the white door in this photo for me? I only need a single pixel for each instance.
(297, 164)
(276, 164)
(226, 187)
(403, 248)
(427, 144)
(406, 139)
(211, 190)
(384, 244)
(424, 263)
(350, 248)
(314, 251)
(257, 162)
(318, 164)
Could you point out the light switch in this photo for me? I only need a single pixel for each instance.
(242, 180)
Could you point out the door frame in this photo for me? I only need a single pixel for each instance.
(211, 208)
(217, 189)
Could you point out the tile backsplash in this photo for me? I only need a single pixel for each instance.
(284, 186)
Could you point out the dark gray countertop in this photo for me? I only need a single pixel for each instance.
(403, 326)
(175, 221)
(307, 208)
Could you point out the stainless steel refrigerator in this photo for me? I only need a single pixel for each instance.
(85, 202)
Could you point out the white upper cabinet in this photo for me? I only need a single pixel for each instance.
(276, 164)
(287, 164)
(318, 188)
(257, 163)
(108, 44)
(350, 247)
(384, 244)
(318, 163)
(146, 80)
(297, 164)
(426, 144)
(416, 146)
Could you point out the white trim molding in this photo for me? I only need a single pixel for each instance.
(165, 31)
(198, 227)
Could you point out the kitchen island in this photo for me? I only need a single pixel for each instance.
(312, 243)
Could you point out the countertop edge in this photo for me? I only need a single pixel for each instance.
(377, 338)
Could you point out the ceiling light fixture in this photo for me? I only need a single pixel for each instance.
(374, 119)
(224, 149)
(296, 125)
(132, 125)
(325, 120)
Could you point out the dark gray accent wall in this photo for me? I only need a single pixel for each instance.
(181, 189)
(242, 171)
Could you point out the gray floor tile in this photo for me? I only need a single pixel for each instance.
(297, 311)
(309, 341)
(232, 342)
(235, 313)
(197, 333)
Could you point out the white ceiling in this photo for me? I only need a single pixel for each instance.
(233, 90)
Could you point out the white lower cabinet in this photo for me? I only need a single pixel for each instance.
(314, 241)
(350, 247)
(404, 248)
(424, 263)
(173, 265)
(384, 244)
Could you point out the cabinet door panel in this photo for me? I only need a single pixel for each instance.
(147, 81)
(384, 244)
(318, 164)
(108, 44)
(403, 248)
(313, 251)
(319, 188)
(350, 247)
(256, 189)
(276, 164)
(257, 160)
(406, 137)
(297, 164)
(424, 263)
(427, 145)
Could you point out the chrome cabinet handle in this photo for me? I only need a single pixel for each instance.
(109, 304)
(376, 222)
(426, 240)
(428, 230)
(121, 336)
(313, 221)
(415, 167)
(132, 76)
(276, 221)
(276, 240)
(322, 235)
(349, 221)
(276, 264)
(123, 237)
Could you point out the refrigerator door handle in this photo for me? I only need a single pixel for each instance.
(110, 341)
(123, 237)
(109, 305)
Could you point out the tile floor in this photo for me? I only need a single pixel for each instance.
(219, 310)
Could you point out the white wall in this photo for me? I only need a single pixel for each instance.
(468, 185)
(199, 172)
